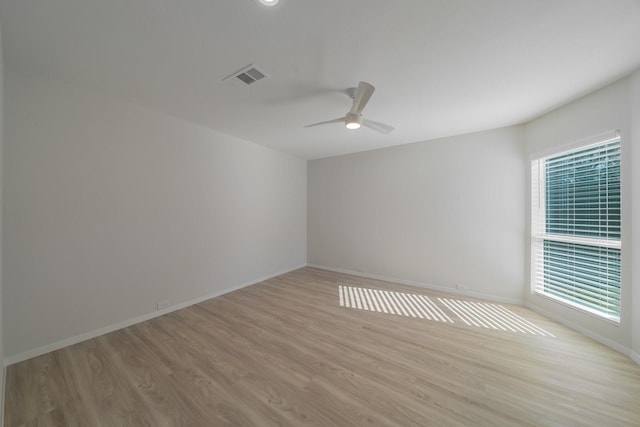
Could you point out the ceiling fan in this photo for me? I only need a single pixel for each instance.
(354, 119)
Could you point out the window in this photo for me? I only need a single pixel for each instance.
(576, 240)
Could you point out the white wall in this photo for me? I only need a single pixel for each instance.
(602, 111)
(1, 260)
(439, 213)
(635, 186)
(111, 208)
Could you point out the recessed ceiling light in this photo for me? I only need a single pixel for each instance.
(267, 2)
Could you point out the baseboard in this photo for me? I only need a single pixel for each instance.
(421, 285)
(2, 385)
(588, 333)
(138, 319)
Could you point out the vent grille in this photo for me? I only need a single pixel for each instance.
(246, 76)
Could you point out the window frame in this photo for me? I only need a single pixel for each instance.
(539, 222)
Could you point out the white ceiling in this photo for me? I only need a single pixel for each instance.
(441, 67)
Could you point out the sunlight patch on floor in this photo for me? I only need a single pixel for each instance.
(403, 304)
(471, 313)
(491, 316)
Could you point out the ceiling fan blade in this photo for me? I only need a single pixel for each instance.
(361, 97)
(340, 120)
(378, 127)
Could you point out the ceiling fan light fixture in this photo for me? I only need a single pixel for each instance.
(353, 121)
(267, 2)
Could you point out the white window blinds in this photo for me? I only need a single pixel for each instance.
(576, 227)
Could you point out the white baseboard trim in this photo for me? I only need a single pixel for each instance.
(588, 333)
(2, 383)
(138, 319)
(421, 285)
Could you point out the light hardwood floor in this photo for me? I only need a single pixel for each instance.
(284, 352)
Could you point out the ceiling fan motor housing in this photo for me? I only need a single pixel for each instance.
(353, 120)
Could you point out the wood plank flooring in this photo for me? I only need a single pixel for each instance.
(285, 353)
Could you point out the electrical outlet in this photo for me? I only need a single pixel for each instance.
(462, 287)
(360, 269)
(163, 304)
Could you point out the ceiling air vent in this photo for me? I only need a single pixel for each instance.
(248, 75)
